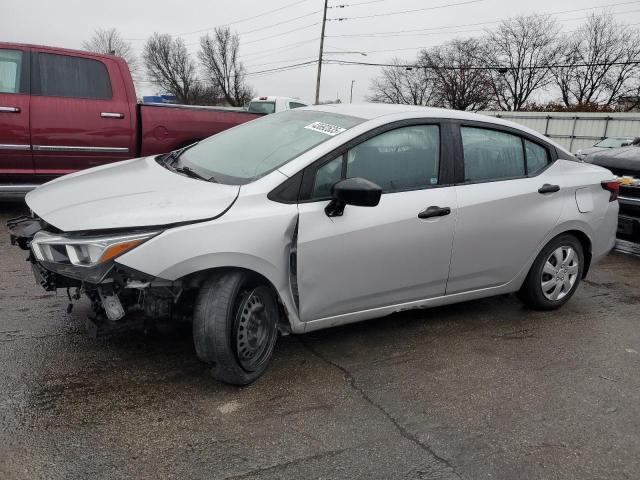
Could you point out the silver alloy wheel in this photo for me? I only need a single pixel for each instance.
(560, 273)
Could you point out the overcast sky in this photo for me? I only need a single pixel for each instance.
(67, 23)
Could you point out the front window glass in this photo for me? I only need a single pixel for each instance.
(326, 176)
(402, 159)
(262, 107)
(253, 149)
(491, 155)
(10, 69)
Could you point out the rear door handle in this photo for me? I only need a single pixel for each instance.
(112, 115)
(434, 211)
(548, 188)
(10, 109)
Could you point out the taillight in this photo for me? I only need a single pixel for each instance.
(613, 188)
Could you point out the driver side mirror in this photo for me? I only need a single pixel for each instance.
(352, 191)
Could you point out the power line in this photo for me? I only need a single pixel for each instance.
(281, 61)
(286, 67)
(267, 38)
(271, 51)
(478, 23)
(356, 4)
(402, 12)
(268, 12)
(478, 67)
(280, 23)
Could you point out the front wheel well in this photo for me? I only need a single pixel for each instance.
(194, 281)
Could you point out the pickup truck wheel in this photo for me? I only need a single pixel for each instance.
(554, 275)
(235, 326)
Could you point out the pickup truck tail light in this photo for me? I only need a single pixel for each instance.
(613, 188)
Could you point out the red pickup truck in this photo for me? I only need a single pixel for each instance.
(64, 110)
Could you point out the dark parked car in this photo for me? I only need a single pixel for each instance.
(625, 163)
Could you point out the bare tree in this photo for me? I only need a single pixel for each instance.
(596, 68)
(458, 82)
(401, 84)
(521, 49)
(219, 57)
(110, 42)
(170, 66)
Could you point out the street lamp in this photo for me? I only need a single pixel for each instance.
(351, 95)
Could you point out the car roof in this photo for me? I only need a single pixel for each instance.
(370, 111)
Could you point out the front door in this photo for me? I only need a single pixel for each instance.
(16, 165)
(80, 114)
(377, 256)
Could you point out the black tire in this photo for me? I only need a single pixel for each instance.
(532, 292)
(235, 326)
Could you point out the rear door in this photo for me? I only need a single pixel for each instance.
(377, 256)
(16, 164)
(502, 217)
(79, 113)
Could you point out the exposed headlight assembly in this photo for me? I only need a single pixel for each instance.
(84, 251)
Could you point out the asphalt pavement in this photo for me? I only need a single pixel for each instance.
(480, 390)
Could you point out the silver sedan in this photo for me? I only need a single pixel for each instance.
(318, 217)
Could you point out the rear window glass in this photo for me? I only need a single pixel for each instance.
(262, 107)
(246, 152)
(68, 76)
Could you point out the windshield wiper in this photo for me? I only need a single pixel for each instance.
(192, 173)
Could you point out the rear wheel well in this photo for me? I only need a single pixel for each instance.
(586, 248)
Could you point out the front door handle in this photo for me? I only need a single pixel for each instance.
(112, 115)
(10, 109)
(434, 211)
(548, 188)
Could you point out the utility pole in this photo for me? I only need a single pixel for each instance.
(351, 95)
(324, 21)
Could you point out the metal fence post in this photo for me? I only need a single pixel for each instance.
(606, 127)
(546, 126)
(573, 133)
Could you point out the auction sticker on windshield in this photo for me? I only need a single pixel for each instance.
(325, 128)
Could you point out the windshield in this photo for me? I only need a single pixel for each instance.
(613, 142)
(262, 107)
(253, 149)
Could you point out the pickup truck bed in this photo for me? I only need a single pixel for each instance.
(65, 110)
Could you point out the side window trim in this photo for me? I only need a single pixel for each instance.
(445, 175)
(552, 154)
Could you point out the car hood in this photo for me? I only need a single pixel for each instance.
(625, 160)
(129, 194)
(589, 150)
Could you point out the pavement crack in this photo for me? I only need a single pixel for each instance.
(279, 466)
(400, 429)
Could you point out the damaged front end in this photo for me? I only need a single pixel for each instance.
(83, 263)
